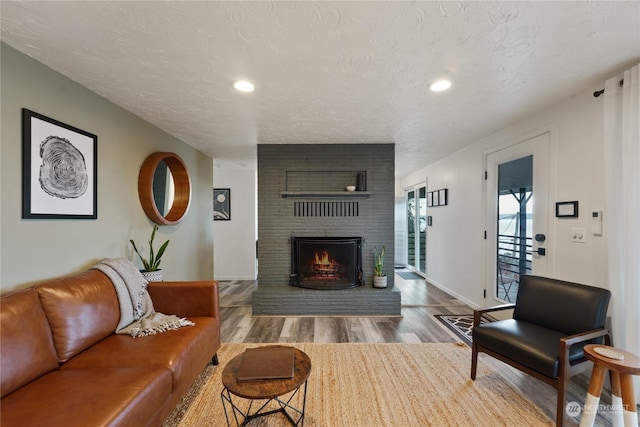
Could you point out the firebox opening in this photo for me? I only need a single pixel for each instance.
(326, 262)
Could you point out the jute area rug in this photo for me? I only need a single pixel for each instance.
(353, 385)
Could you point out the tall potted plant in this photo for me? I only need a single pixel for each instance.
(379, 278)
(151, 271)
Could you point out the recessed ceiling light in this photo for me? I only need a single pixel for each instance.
(440, 85)
(244, 86)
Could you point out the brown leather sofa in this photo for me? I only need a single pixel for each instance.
(62, 365)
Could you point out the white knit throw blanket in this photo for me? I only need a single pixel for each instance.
(137, 316)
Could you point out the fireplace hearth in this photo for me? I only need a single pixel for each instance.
(326, 262)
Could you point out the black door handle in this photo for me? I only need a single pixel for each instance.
(541, 251)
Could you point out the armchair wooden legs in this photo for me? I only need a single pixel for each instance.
(561, 389)
(474, 361)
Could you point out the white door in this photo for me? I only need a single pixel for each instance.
(417, 229)
(517, 188)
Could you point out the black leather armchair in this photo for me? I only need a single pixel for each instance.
(552, 322)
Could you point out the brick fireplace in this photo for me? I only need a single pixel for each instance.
(302, 198)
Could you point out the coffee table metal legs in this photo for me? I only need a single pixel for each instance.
(293, 414)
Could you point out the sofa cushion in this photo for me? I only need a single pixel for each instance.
(82, 310)
(27, 348)
(185, 352)
(563, 306)
(89, 397)
(531, 345)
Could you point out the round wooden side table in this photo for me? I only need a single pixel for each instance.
(269, 391)
(623, 366)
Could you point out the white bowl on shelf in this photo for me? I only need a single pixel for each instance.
(351, 188)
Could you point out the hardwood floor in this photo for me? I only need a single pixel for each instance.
(421, 301)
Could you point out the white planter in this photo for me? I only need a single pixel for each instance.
(152, 276)
(379, 281)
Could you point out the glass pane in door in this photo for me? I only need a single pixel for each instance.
(422, 228)
(411, 228)
(514, 225)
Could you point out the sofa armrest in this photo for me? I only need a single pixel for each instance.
(477, 314)
(186, 298)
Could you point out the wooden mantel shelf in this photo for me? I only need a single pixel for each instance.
(325, 194)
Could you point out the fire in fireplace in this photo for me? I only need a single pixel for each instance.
(326, 262)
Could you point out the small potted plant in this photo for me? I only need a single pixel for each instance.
(151, 271)
(379, 278)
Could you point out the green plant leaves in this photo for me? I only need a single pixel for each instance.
(153, 263)
(378, 261)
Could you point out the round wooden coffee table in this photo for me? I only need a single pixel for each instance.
(281, 392)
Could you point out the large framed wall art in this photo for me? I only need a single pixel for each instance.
(59, 169)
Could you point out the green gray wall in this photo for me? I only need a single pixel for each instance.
(35, 249)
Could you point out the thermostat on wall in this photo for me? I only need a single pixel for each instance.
(596, 223)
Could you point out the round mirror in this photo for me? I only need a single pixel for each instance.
(164, 188)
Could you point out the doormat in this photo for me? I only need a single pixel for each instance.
(460, 324)
(409, 275)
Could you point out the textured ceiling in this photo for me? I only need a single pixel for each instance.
(329, 72)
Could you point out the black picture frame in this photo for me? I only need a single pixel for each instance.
(222, 204)
(444, 195)
(567, 209)
(438, 198)
(59, 169)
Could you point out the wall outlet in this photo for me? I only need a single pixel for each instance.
(578, 235)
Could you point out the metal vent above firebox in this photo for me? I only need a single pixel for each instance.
(326, 209)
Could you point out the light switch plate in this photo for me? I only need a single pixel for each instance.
(578, 235)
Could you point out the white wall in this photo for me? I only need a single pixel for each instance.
(400, 230)
(456, 248)
(234, 241)
(35, 249)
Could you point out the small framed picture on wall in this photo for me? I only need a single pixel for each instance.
(567, 209)
(221, 204)
(443, 197)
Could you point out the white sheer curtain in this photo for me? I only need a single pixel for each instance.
(622, 214)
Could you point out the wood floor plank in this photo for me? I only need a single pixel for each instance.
(243, 326)
(409, 338)
(305, 331)
(355, 330)
(389, 330)
(322, 332)
(267, 330)
(289, 330)
(370, 330)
